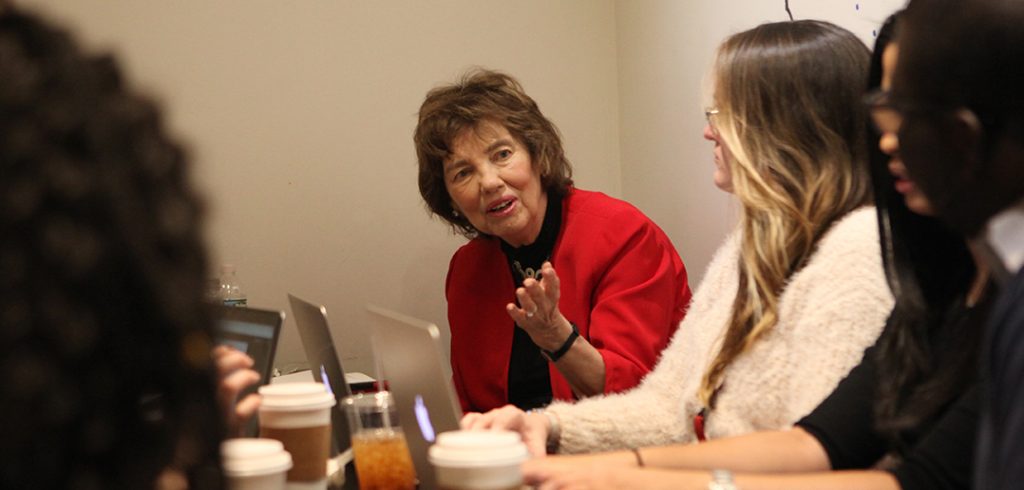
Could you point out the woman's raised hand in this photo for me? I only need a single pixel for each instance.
(538, 312)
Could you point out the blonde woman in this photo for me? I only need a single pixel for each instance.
(794, 296)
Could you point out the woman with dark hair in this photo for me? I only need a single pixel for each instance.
(492, 166)
(905, 417)
(795, 294)
(105, 340)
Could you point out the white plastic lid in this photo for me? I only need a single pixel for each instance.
(295, 396)
(254, 457)
(477, 448)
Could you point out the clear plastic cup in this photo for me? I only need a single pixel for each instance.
(379, 449)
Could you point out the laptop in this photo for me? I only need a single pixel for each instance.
(311, 320)
(254, 332)
(409, 351)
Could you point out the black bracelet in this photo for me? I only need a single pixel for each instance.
(554, 356)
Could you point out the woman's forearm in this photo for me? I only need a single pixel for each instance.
(834, 480)
(583, 367)
(792, 450)
(549, 474)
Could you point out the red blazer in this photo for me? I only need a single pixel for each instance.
(622, 284)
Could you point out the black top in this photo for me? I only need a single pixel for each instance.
(529, 382)
(940, 450)
(1001, 438)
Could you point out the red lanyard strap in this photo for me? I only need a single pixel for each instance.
(698, 424)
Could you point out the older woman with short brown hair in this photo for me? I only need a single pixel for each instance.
(492, 166)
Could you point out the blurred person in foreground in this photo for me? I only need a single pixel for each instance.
(958, 92)
(492, 167)
(105, 338)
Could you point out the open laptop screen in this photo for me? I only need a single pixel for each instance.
(254, 332)
(311, 321)
(409, 350)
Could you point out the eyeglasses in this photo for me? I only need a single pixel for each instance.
(713, 111)
(886, 117)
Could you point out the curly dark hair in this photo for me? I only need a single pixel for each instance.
(483, 95)
(104, 335)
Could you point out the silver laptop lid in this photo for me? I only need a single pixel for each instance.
(311, 320)
(410, 354)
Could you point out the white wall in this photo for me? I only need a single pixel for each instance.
(665, 49)
(300, 116)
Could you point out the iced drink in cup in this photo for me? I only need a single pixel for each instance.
(299, 415)
(255, 464)
(478, 460)
(378, 446)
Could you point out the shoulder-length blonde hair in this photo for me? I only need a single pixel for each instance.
(789, 114)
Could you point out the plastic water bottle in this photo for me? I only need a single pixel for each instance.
(230, 289)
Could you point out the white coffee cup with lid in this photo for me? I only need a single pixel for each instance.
(299, 415)
(255, 464)
(478, 460)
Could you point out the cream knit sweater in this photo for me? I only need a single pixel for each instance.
(831, 310)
